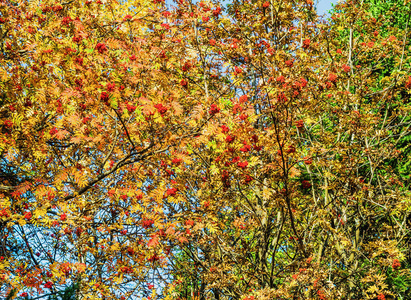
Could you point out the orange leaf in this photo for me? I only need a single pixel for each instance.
(153, 242)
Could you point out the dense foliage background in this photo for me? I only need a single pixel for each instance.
(204, 150)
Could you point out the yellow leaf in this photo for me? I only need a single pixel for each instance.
(115, 247)
(39, 212)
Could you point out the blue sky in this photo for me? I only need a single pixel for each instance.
(323, 6)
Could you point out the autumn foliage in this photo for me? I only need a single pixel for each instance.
(204, 150)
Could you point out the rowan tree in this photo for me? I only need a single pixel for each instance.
(92, 97)
(298, 196)
(202, 151)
